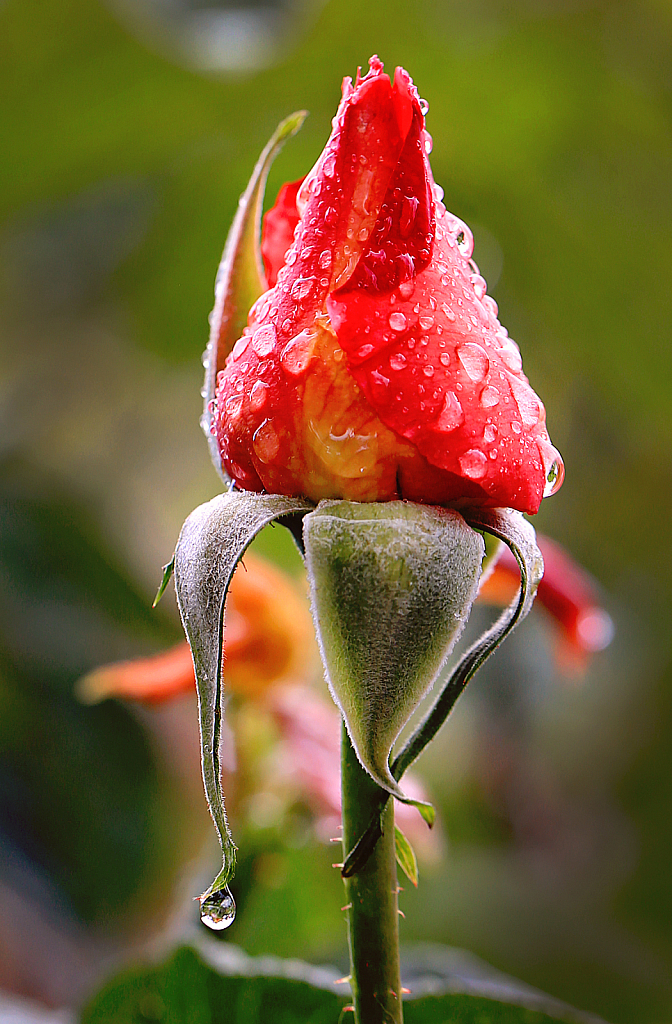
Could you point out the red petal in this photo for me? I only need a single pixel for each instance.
(440, 370)
(278, 230)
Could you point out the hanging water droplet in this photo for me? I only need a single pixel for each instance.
(218, 909)
(554, 468)
(424, 107)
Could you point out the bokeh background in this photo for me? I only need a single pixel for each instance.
(129, 130)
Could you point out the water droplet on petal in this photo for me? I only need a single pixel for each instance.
(398, 361)
(266, 442)
(474, 360)
(426, 322)
(511, 355)
(451, 415)
(218, 909)
(397, 321)
(526, 400)
(448, 311)
(297, 353)
(424, 107)
(479, 284)
(489, 432)
(258, 395)
(364, 352)
(406, 289)
(444, 359)
(263, 340)
(473, 464)
(324, 261)
(428, 370)
(302, 288)
(329, 166)
(465, 241)
(489, 397)
(516, 427)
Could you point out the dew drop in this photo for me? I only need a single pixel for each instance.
(398, 361)
(479, 285)
(329, 166)
(406, 289)
(258, 395)
(444, 359)
(554, 468)
(266, 442)
(218, 909)
(526, 400)
(302, 288)
(324, 261)
(473, 464)
(364, 352)
(474, 360)
(489, 432)
(464, 240)
(511, 355)
(424, 107)
(438, 193)
(451, 415)
(428, 142)
(397, 321)
(489, 397)
(297, 353)
(263, 340)
(448, 312)
(428, 370)
(490, 305)
(516, 427)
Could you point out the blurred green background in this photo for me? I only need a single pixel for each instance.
(129, 129)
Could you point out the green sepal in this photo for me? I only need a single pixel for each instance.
(240, 278)
(510, 527)
(405, 854)
(212, 542)
(165, 580)
(391, 588)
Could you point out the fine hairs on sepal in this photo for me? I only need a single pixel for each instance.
(391, 588)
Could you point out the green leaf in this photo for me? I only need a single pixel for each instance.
(510, 527)
(240, 278)
(211, 543)
(391, 586)
(405, 854)
(165, 580)
(216, 983)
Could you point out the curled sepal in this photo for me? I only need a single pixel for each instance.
(211, 543)
(511, 528)
(391, 588)
(240, 278)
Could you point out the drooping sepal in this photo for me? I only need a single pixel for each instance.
(212, 542)
(391, 587)
(240, 277)
(518, 534)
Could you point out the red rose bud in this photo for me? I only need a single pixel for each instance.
(375, 367)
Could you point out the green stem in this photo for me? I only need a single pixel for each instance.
(373, 915)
